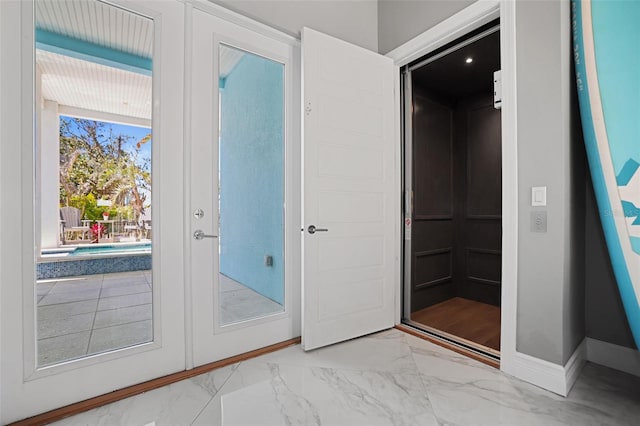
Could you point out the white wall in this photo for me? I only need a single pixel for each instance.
(401, 20)
(1, 198)
(355, 21)
(546, 303)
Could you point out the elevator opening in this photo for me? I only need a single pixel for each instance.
(453, 192)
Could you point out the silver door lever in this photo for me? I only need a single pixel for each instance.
(312, 229)
(199, 235)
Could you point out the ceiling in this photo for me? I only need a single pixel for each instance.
(80, 82)
(97, 23)
(90, 86)
(90, 83)
(450, 77)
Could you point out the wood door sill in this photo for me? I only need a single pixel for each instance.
(98, 401)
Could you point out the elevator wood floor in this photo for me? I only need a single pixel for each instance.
(471, 320)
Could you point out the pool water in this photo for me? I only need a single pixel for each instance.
(105, 250)
(98, 250)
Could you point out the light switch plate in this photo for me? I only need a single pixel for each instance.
(538, 196)
(539, 221)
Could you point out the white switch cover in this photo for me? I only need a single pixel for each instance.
(539, 196)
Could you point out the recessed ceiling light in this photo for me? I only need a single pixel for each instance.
(468, 60)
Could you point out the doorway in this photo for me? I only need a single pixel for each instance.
(453, 192)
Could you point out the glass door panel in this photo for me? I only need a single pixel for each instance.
(251, 186)
(93, 263)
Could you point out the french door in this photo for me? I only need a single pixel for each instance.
(244, 217)
(227, 205)
(66, 339)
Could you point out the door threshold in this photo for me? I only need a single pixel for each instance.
(447, 341)
(108, 398)
(478, 347)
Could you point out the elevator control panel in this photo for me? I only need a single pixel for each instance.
(497, 89)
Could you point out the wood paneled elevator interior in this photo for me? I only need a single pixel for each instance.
(454, 185)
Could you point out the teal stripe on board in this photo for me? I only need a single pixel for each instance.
(628, 170)
(612, 238)
(617, 45)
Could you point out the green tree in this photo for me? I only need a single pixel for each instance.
(94, 165)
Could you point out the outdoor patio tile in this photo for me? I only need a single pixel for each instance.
(61, 348)
(43, 288)
(247, 305)
(116, 302)
(246, 296)
(63, 310)
(120, 291)
(120, 336)
(123, 315)
(67, 325)
(228, 284)
(119, 276)
(72, 296)
(124, 282)
(75, 286)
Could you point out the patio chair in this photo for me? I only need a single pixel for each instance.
(73, 228)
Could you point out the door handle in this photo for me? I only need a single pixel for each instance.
(312, 229)
(199, 235)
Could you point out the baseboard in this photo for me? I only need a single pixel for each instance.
(573, 367)
(613, 356)
(547, 375)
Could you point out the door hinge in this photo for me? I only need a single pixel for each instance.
(307, 108)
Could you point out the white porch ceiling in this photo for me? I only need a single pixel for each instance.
(98, 23)
(88, 85)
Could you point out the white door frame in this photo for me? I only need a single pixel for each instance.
(26, 389)
(468, 19)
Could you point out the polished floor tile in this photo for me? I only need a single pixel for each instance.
(388, 378)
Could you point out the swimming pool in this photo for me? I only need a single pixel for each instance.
(94, 259)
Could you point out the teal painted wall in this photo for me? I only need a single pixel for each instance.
(252, 176)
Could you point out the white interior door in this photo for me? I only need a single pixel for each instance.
(244, 180)
(349, 177)
(66, 347)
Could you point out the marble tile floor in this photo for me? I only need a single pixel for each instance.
(85, 315)
(389, 378)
